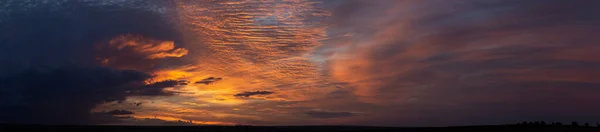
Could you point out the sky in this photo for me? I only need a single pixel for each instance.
(299, 62)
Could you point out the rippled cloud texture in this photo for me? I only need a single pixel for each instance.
(299, 62)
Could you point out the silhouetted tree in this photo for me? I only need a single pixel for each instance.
(559, 124)
(586, 124)
(544, 123)
(574, 124)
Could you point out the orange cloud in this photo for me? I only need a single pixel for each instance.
(248, 45)
(137, 52)
(150, 48)
(389, 55)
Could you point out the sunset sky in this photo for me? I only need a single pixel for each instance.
(299, 62)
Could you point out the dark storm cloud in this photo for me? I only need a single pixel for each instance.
(50, 73)
(328, 114)
(66, 35)
(471, 61)
(254, 93)
(64, 95)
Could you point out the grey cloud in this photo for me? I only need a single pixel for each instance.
(108, 119)
(339, 94)
(154, 121)
(44, 100)
(105, 118)
(328, 114)
(510, 54)
(209, 80)
(54, 36)
(49, 72)
(120, 112)
(156, 89)
(84, 88)
(254, 93)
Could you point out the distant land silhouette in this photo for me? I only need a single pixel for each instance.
(537, 126)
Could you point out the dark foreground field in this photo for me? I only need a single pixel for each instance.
(499, 128)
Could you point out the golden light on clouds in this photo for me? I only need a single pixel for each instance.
(298, 62)
(252, 45)
(152, 49)
(256, 45)
(138, 52)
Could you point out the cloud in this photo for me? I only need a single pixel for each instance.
(60, 39)
(254, 93)
(120, 112)
(50, 73)
(240, 56)
(136, 52)
(44, 93)
(466, 54)
(406, 62)
(151, 49)
(159, 122)
(209, 80)
(156, 89)
(328, 114)
(106, 118)
(111, 119)
(40, 95)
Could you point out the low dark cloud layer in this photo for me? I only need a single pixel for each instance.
(64, 95)
(120, 112)
(154, 122)
(110, 119)
(328, 114)
(209, 80)
(156, 89)
(254, 93)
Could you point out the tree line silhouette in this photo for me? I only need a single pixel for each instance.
(558, 124)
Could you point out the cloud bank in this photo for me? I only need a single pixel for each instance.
(50, 73)
(469, 61)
